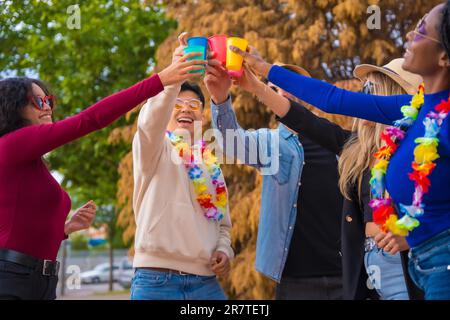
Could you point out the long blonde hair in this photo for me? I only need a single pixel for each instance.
(357, 154)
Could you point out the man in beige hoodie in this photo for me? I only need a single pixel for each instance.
(179, 249)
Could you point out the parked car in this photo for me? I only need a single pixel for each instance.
(99, 274)
(125, 273)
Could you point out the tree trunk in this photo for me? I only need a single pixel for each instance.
(111, 262)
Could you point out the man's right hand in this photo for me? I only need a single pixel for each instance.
(178, 71)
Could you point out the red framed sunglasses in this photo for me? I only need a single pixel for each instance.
(38, 102)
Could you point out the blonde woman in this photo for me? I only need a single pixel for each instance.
(361, 257)
(382, 266)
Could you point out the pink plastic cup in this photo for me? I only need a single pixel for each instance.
(218, 44)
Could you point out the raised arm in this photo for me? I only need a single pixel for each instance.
(40, 139)
(328, 97)
(339, 101)
(249, 147)
(296, 116)
(152, 122)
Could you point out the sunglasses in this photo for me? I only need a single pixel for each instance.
(420, 31)
(38, 102)
(194, 104)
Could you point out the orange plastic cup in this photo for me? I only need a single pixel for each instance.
(234, 60)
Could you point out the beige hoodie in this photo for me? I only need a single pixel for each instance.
(172, 231)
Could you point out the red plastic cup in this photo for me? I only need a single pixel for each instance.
(218, 44)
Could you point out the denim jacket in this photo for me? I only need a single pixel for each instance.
(281, 182)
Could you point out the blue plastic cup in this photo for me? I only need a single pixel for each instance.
(199, 41)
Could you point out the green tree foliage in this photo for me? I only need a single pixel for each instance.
(79, 242)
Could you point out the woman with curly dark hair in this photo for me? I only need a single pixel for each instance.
(33, 206)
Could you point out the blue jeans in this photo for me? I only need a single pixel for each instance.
(385, 273)
(156, 285)
(429, 266)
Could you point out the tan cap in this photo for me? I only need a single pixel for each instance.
(294, 68)
(394, 70)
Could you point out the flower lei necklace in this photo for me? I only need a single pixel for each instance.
(214, 209)
(424, 154)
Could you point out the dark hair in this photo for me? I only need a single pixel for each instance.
(445, 28)
(14, 97)
(189, 86)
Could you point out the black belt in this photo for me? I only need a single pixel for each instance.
(46, 267)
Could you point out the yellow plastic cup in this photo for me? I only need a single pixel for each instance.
(234, 61)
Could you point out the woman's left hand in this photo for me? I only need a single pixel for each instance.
(391, 243)
(82, 218)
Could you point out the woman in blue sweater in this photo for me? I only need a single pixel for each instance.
(419, 195)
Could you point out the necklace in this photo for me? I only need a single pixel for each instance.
(214, 206)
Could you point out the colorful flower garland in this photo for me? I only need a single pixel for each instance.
(214, 209)
(424, 155)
